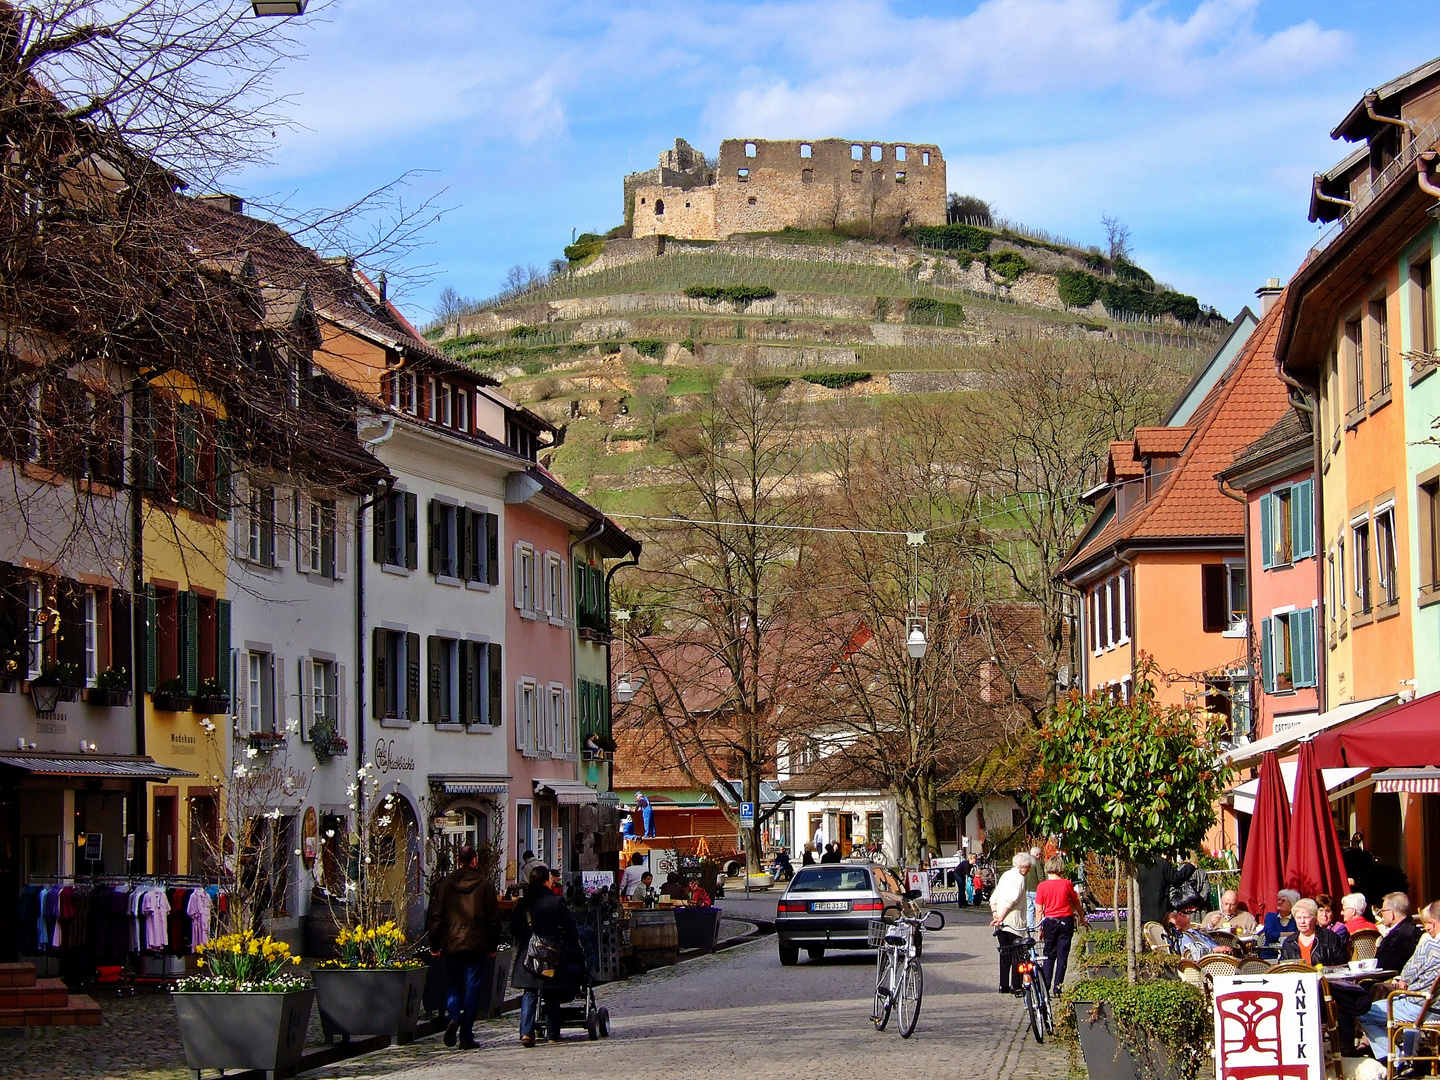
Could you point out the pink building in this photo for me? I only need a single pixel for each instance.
(1276, 475)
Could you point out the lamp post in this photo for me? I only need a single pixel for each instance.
(625, 686)
(917, 639)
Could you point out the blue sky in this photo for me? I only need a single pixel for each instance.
(1198, 122)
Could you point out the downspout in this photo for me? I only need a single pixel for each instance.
(138, 629)
(360, 530)
(634, 561)
(1249, 605)
(1370, 99)
(1322, 197)
(575, 634)
(1129, 565)
(1426, 184)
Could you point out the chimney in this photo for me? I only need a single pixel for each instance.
(382, 285)
(231, 204)
(1268, 293)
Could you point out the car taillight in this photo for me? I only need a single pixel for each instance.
(867, 905)
(788, 906)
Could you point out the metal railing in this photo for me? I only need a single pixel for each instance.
(1425, 138)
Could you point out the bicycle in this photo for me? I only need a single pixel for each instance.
(899, 978)
(1036, 993)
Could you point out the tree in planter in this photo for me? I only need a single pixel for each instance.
(1132, 780)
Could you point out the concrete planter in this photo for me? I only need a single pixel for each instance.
(1106, 1055)
(697, 928)
(244, 1031)
(355, 1001)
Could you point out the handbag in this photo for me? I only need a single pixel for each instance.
(542, 957)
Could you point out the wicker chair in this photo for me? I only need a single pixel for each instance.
(1190, 972)
(1363, 944)
(1291, 967)
(1156, 937)
(1218, 964)
(1253, 966)
(1226, 938)
(1426, 1026)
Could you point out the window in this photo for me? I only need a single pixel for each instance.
(315, 536)
(444, 657)
(1429, 513)
(1287, 651)
(1110, 613)
(1239, 600)
(259, 691)
(876, 153)
(90, 607)
(1360, 546)
(525, 583)
(749, 149)
(1287, 525)
(900, 153)
(323, 692)
(1385, 564)
(899, 178)
(37, 617)
(1340, 573)
(752, 201)
(411, 393)
(395, 542)
(875, 828)
(659, 207)
(447, 405)
(462, 410)
(479, 547)
(395, 673)
(591, 611)
(743, 175)
(1222, 596)
(479, 691)
(925, 157)
(856, 176)
(857, 153)
(187, 637)
(805, 150)
(559, 739)
(1100, 613)
(807, 176)
(1355, 356)
(1422, 313)
(261, 546)
(1380, 336)
(554, 587)
(527, 717)
(432, 400)
(444, 540)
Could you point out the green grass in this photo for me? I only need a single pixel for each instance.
(692, 382)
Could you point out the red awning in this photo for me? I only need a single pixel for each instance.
(1404, 737)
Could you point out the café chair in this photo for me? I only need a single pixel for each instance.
(1190, 972)
(1155, 936)
(1291, 967)
(1218, 964)
(1426, 1028)
(1253, 966)
(1363, 944)
(1226, 938)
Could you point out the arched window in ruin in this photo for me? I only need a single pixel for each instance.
(659, 207)
(743, 175)
(877, 152)
(925, 157)
(804, 149)
(857, 152)
(749, 149)
(899, 153)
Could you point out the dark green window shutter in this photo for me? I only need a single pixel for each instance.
(412, 517)
(379, 639)
(189, 455)
(189, 605)
(224, 467)
(222, 646)
(434, 654)
(433, 515)
(143, 422)
(412, 677)
(152, 636)
(1267, 532)
(495, 684)
(380, 534)
(1302, 520)
(492, 549)
(468, 569)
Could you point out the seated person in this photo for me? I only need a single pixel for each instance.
(1280, 921)
(1352, 910)
(782, 868)
(675, 886)
(1312, 944)
(699, 897)
(1401, 934)
(1187, 940)
(1419, 974)
(1231, 915)
(1325, 916)
(641, 889)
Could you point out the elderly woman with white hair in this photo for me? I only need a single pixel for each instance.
(1008, 904)
(1352, 912)
(1312, 943)
(1280, 922)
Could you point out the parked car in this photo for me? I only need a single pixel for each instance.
(830, 907)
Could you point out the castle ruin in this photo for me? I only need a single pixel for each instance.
(765, 185)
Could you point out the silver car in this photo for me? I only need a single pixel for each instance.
(830, 906)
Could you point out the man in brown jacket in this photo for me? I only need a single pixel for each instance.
(464, 927)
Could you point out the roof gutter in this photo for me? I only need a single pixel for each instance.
(1370, 99)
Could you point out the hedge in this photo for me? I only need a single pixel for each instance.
(740, 295)
(837, 380)
(1008, 264)
(927, 312)
(952, 237)
(586, 246)
(648, 347)
(766, 383)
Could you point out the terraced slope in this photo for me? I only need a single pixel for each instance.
(617, 350)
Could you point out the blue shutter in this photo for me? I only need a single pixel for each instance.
(1267, 667)
(1267, 532)
(1302, 625)
(1302, 520)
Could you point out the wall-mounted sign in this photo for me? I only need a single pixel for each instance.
(387, 759)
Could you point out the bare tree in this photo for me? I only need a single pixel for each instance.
(1117, 238)
(652, 402)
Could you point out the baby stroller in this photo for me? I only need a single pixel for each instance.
(580, 1009)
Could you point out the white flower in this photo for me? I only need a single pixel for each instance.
(352, 806)
(329, 834)
(291, 727)
(382, 822)
(252, 752)
(240, 771)
(367, 860)
(351, 790)
(274, 815)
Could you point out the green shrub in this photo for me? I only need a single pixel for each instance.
(766, 383)
(1008, 264)
(619, 232)
(1170, 1013)
(585, 248)
(1077, 288)
(520, 333)
(952, 237)
(740, 295)
(924, 311)
(688, 344)
(1131, 274)
(837, 380)
(534, 367)
(882, 308)
(649, 347)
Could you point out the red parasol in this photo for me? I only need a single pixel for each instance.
(1314, 864)
(1264, 871)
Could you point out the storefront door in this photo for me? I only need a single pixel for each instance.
(847, 833)
(167, 841)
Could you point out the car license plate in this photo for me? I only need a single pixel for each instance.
(830, 905)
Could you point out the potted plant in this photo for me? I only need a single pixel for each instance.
(63, 678)
(112, 687)
(373, 987)
(210, 697)
(265, 741)
(326, 741)
(247, 1010)
(170, 696)
(1138, 1031)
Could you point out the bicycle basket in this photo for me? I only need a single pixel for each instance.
(876, 935)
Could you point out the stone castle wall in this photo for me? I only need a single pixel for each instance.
(766, 185)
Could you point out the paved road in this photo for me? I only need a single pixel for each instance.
(741, 1013)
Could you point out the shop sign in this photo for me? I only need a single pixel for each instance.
(387, 760)
(1269, 1024)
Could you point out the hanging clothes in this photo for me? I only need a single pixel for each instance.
(198, 909)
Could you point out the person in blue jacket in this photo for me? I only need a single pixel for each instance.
(647, 815)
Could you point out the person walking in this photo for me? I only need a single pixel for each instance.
(647, 813)
(464, 928)
(963, 895)
(541, 912)
(1058, 905)
(1033, 877)
(1007, 915)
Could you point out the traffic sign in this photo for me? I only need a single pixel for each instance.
(747, 815)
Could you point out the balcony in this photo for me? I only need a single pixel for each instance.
(1425, 138)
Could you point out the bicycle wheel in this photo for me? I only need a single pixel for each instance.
(912, 987)
(1032, 1008)
(883, 1001)
(1046, 1010)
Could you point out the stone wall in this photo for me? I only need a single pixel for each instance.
(666, 210)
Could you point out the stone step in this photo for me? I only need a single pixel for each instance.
(79, 1011)
(17, 974)
(45, 994)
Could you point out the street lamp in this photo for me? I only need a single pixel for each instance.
(625, 687)
(263, 8)
(624, 690)
(915, 642)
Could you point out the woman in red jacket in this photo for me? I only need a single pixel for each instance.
(1058, 906)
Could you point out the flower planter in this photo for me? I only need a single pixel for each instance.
(69, 693)
(697, 928)
(265, 741)
(113, 698)
(211, 705)
(244, 1030)
(171, 702)
(1107, 1057)
(355, 1001)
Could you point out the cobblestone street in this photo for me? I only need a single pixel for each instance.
(737, 1012)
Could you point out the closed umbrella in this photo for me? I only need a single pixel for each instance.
(1264, 868)
(1314, 864)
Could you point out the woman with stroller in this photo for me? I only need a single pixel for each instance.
(541, 912)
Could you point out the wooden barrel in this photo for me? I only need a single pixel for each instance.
(654, 938)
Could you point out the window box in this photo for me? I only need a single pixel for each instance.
(113, 698)
(212, 705)
(171, 702)
(265, 741)
(586, 634)
(597, 755)
(69, 693)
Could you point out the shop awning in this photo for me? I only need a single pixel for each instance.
(1294, 729)
(1336, 780)
(1410, 781)
(1404, 737)
(567, 792)
(120, 766)
(471, 785)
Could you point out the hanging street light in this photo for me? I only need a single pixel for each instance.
(624, 686)
(915, 643)
(263, 8)
(624, 690)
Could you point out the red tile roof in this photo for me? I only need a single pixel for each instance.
(1161, 441)
(1241, 407)
(1122, 462)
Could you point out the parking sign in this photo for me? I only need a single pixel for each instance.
(747, 815)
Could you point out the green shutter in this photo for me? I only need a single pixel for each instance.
(379, 537)
(1302, 625)
(1267, 651)
(412, 517)
(1302, 520)
(144, 424)
(379, 638)
(224, 466)
(152, 635)
(189, 455)
(1267, 531)
(433, 655)
(189, 606)
(222, 646)
(412, 677)
(434, 537)
(495, 684)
